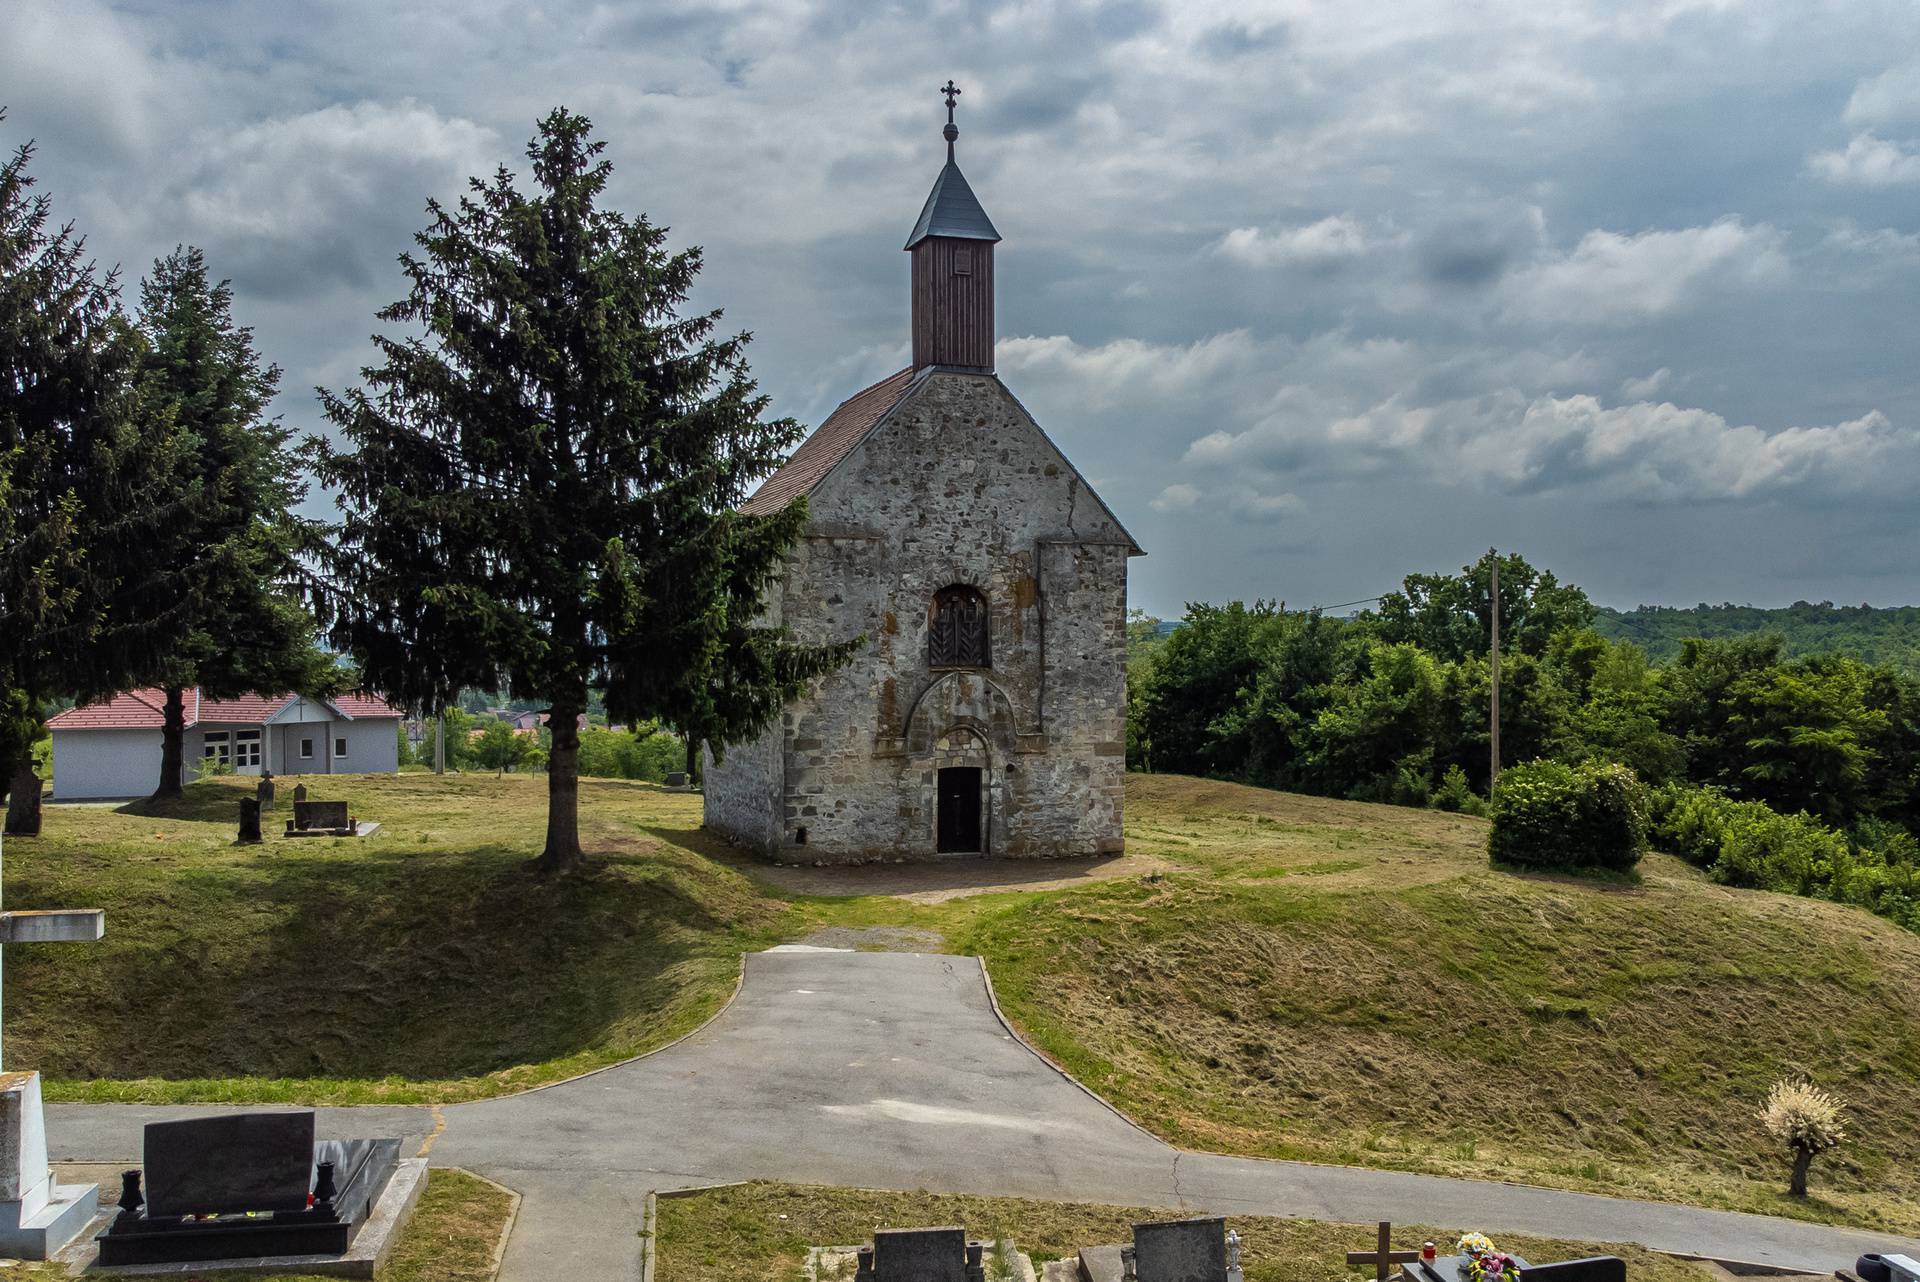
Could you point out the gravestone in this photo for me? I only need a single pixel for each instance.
(243, 1162)
(249, 822)
(320, 819)
(37, 1215)
(244, 1186)
(299, 792)
(264, 793)
(1181, 1250)
(1595, 1268)
(920, 1255)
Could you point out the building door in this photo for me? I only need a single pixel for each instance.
(958, 818)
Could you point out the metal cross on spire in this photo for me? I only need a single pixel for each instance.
(952, 130)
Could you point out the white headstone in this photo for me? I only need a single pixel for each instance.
(37, 1216)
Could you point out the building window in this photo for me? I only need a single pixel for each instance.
(306, 749)
(339, 748)
(246, 749)
(962, 261)
(957, 629)
(214, 746)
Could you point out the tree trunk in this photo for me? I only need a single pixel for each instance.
(563, 853)
(173, 741)
(440, 744)
(692, 758)
(23, 801)
(1802, 1159)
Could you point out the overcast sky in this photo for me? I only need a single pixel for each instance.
(1314, 295)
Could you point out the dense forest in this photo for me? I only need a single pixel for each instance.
(1887, 635)
(1392, 705)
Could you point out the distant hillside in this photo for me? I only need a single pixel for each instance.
(1888, 634)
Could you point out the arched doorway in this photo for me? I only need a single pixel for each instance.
(962, 779)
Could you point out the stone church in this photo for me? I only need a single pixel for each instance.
(986, 714)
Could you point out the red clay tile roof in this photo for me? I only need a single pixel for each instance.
(365, 705)
(830, 442)
(134, 710)
(247, 710)
(146, 710)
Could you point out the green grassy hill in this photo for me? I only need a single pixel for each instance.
(1271, 974)
(1889, 635)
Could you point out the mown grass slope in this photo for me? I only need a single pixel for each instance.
(425, 963)
(1290, 976)
(1351, 983)
(760, 1232)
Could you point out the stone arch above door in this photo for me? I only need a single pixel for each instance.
(970, 700)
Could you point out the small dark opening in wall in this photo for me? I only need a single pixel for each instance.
(800, 835)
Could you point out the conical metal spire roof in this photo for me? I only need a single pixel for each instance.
(952, 209)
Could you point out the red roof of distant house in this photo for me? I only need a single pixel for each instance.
(146, 710)
(832, 441)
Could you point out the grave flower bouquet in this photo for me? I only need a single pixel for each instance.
(1484, 1263)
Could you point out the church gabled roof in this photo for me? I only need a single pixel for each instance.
(845, 428)
(952, 210)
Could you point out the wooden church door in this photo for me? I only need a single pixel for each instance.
(958, 811)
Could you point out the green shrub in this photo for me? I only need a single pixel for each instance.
(1455, 794)
(1548, 814)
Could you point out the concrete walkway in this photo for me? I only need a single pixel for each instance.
(891, 1070)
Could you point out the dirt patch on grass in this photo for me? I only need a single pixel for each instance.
(875, 939)
(941, 880)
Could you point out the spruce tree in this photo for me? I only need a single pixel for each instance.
(87, 484)
(233, 551)
(539, 487)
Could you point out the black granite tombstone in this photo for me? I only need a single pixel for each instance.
(299, 792)
(249, 822)
(920, 1255)
(1181, 1250)
(245, 1185)
(320, 819)
(1594, 1268)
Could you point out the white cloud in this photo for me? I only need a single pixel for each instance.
(1176, 498)
(1507, 441)
(1640, 389)
(1610, 278)
(1331, 240)
(1868, 161)
(1884, 244)
(326, 195)
(1892, 97)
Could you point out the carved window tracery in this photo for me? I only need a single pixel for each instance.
(957, 632)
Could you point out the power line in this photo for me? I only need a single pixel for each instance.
(1344, 604)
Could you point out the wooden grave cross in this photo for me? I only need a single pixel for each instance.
(51, 926)
(1385, 1256)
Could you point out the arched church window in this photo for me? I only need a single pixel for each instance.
(957, 632)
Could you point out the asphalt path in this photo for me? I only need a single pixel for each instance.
(893, 1070)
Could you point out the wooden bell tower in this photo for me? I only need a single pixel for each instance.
(952, 249)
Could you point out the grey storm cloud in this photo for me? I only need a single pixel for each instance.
(1314, 294)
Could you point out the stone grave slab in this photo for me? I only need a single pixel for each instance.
(1181, 1250)
(920, 1255)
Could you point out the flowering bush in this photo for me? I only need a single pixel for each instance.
(1548, 814)
(1807, 1121)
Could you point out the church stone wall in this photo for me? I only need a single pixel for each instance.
(956, 485)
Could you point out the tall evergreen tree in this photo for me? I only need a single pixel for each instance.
(233, 551)
(86, 479)
(539, 489)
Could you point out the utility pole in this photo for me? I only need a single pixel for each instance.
(1493, 728)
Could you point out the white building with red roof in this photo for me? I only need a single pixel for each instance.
(112, 748)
